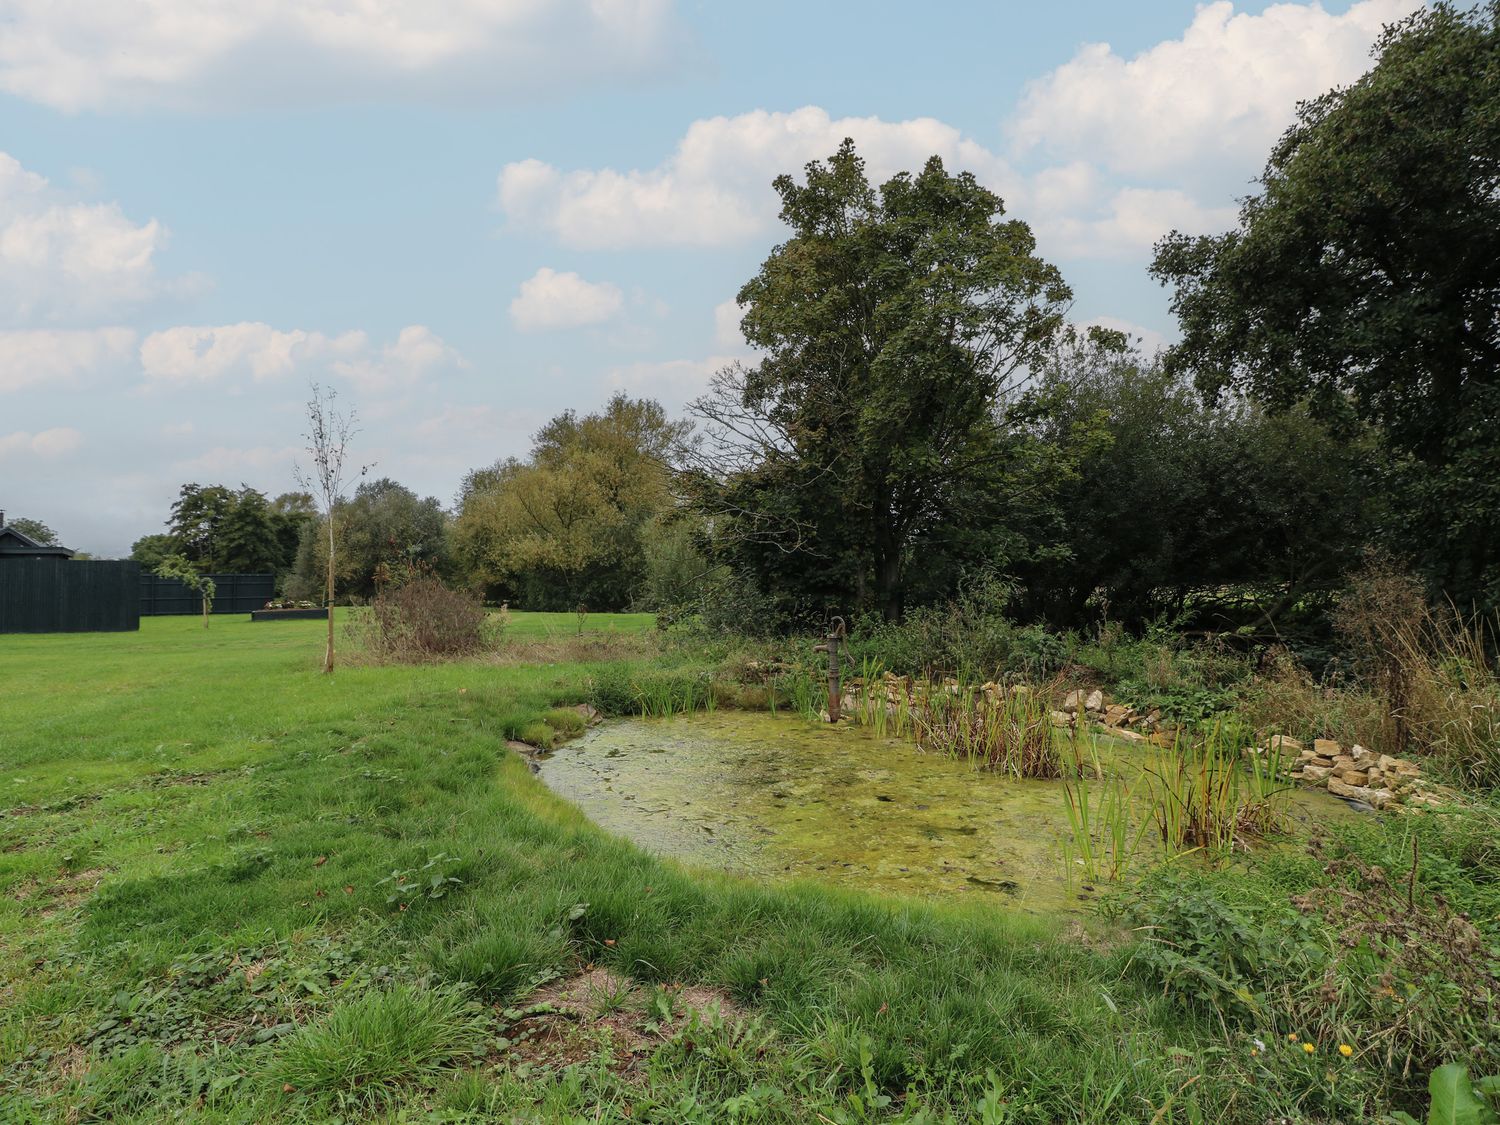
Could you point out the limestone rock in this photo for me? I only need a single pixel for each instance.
(1350, 792)
(1311, 772)
(1327, 747)
(1128, 735)
(1062, 719)
(1073, 702)
(1095, 701)
(1350, 776)
(1116, 715)
(1284, 744)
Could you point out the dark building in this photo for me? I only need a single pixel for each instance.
(44, 590)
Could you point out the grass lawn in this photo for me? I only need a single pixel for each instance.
(198, 921)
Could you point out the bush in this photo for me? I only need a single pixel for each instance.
(424, 619)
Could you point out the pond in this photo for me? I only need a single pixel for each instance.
(779, 797)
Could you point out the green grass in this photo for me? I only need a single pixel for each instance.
(233, 889)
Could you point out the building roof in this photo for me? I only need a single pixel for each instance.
(14, 544)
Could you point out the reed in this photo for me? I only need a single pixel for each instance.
(1205, 799)
(1106, 835)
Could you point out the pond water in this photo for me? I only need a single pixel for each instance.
(779, 797)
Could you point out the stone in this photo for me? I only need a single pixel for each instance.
(1311, 772)
(1377, 776)
(1382, 798)
(1128, 735)
(1350, 792)
(1353, 777)
(1327, 747)
(1285, 744)
(1062, 719)
(1388, 763)
(1343, 761)
(1359, 754)
(591, 717)
(1073, 702)
(1116, 715)
(1095, 701)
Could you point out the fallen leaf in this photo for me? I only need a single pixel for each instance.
(348, 890)
(320, 861)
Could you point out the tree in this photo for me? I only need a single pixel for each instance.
(893, 324)
(180, 568)
(1364, 278)
(328, 435)
(227, 531)
(151, 550)
(568, 527)
(384, 532)
(35, 530)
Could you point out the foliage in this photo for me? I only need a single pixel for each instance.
(178, 567)
(572, 524)
(1217, 515)
(35, 530)
(1364, 276)
(892, 325)
(151, 550)
(1458, 1101)
(381, 532)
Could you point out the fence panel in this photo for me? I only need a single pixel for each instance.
(233, 593)
(52, 595)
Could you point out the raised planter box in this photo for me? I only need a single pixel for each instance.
(288, 615)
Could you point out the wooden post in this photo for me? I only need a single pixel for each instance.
(835, 684)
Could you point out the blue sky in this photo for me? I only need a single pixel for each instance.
(467, 217)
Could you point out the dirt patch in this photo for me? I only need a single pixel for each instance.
(70, 890)
(596, 1010)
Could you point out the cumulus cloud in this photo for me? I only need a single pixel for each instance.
(202, 354)
(190, 54)
(1213, 100)
(549, 299)
(49, 358)
(62, 260)
(47, 443)
(727, 317)
(673, 382)
(715, 188)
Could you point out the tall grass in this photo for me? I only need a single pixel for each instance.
(1205, 799)
(1009, 731)
(1106, 834)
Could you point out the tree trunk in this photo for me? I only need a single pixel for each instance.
(328, 655)
(888, 579)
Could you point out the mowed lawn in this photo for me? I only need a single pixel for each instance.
(232, 888)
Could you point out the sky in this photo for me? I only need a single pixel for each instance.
(467, 217)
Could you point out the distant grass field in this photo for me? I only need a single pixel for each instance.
(233, 889)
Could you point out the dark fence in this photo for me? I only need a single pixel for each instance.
(42, 595)
(233, 593)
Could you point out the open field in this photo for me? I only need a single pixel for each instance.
(198, 922)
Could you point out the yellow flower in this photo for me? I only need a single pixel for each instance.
(1345, 1050)
(1309, 1048)
(1291, 1037)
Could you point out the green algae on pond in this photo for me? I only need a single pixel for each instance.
(781, 797)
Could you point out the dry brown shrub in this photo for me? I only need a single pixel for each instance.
(424, 619)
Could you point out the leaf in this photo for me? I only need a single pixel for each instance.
(1453, 1099)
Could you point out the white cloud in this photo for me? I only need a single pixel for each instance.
(1150, 340)
(715, 189)
(62, 260)
(672, 382)
(228, 463)
(191, 354)
(1127, 222)
(51, 359)
(416, 353)
(727, 316)
(549, 299)
(1219, 95)
(193, 54)
(47, 443)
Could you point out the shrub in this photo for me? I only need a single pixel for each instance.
(424, 619)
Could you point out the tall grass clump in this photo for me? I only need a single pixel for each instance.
(1433, 671)
(1105, 833)
(367, 1048)
(1009, 731)
(1205, 798)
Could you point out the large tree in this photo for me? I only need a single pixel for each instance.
(1364, 278)
(382, 534)
(892, 323)
(569, 525)
(225, 531)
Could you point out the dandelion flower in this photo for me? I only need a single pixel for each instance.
(1291, 1037)
(1309, 1048)
(1345, 1050)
